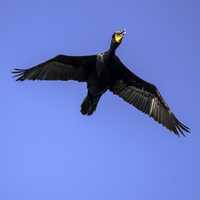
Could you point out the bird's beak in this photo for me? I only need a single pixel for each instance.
(123, 32)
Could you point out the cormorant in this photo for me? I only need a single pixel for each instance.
(102, 72)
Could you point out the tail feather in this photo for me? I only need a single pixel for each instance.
(89, 105)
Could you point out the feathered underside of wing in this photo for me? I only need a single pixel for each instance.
(149, 104)
(146, 98)
(59, 68)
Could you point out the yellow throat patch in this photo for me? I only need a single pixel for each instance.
(118, 37)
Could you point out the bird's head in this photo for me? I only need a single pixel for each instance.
(117, 38)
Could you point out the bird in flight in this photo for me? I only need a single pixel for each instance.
(103, 72)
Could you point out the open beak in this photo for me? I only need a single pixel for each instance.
(123, 31)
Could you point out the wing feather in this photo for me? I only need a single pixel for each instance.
(59, 68)
(144, 96)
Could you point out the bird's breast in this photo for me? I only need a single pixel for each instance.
(101, 66)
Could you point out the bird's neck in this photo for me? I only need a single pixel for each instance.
(113, 47)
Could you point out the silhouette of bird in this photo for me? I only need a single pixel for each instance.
(102, 72)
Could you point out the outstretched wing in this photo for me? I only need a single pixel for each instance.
(144, 96)
(59, 68)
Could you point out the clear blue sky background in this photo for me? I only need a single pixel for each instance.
(48, 150)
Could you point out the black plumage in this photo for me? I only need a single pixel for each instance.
(102, 72)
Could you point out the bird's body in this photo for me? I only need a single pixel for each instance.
(102, 72)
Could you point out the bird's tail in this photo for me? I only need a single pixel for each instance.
(89, 104)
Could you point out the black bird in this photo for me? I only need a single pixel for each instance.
(102, 72)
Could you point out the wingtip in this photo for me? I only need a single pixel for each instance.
(181, 128)
(18, 74)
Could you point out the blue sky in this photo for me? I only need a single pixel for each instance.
(48, 150)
